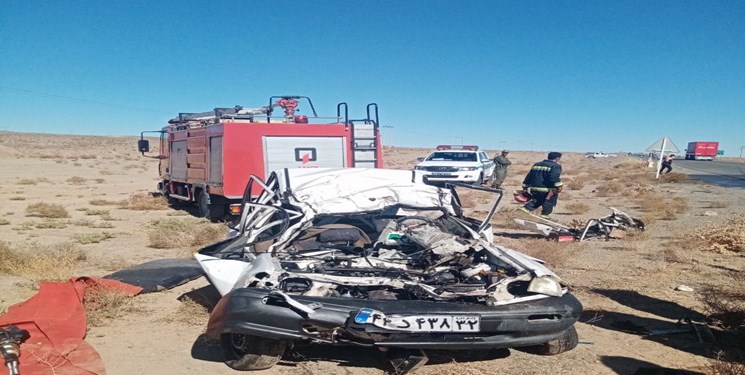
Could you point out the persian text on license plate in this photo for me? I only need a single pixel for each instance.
(420, 323)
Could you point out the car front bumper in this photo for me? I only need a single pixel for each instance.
(257, 312)
(435, 177)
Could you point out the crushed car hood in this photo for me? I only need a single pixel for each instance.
(369, 233)
(354, 190)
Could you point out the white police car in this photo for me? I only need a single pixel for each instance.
(455, 164)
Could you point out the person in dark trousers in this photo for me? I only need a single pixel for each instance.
(500, 169)
(667, 164)
(543, 182)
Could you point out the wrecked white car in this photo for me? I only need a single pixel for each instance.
(367, 257)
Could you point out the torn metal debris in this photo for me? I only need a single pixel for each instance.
(594, 228)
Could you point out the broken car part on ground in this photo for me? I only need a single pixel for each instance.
(367, 257)
(594, 228)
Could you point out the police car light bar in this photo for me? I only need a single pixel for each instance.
(458, 147)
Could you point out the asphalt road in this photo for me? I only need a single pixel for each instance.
(722, 173)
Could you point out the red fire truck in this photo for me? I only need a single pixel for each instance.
(206, 158)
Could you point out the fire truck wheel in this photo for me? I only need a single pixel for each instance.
(203, 204)
(209, 207)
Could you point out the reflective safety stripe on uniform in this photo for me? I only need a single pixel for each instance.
(540, 168)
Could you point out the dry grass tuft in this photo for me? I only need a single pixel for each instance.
(103, 305)
(37, 262)
(144, 202)
(51, 224)
(48, 210)
(578, 183)
(94, 212)
(17, 198)
(189, 313)
(105, 202)
(102, 225)
(730, 237)
(555, 254)
(670, 255)
(577, 208)
(77, 180)
(673, 177)
(658, 207)
(82, 223)
(632, 166)
(26, 181)
(89, 238)
(505, 219)
(726, 308)
(723, 366)
(608, 189)
(4, 222)
(174, 233)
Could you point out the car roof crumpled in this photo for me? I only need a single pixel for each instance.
(355, 190)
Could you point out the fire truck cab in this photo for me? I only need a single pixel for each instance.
(207, 158)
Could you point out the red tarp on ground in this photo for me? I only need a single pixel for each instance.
(56, 321)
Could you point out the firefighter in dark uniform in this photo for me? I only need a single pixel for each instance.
(543, 182)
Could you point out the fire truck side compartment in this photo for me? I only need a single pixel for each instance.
(218, 157)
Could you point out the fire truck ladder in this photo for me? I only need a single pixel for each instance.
(364, 138)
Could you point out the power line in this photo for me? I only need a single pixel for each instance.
(44, 94)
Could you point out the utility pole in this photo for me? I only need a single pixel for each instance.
(741, 148)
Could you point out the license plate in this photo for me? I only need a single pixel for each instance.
(420, 323)
(441, 174)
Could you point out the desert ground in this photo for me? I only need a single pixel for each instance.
(81, 205)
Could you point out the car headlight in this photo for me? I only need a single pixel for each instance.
(418, 168)
(467, 168)
(545, 285)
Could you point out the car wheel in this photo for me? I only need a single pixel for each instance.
(246, 352)
(565, 343)
(479, 181)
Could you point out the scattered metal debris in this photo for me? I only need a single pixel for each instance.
(683, 288)
(594, 228)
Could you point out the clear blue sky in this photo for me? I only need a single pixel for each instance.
(560, 75)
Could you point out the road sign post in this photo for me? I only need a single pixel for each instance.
(662, 156)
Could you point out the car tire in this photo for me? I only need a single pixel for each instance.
(566, 342)
(479, 181)
(248, 353)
